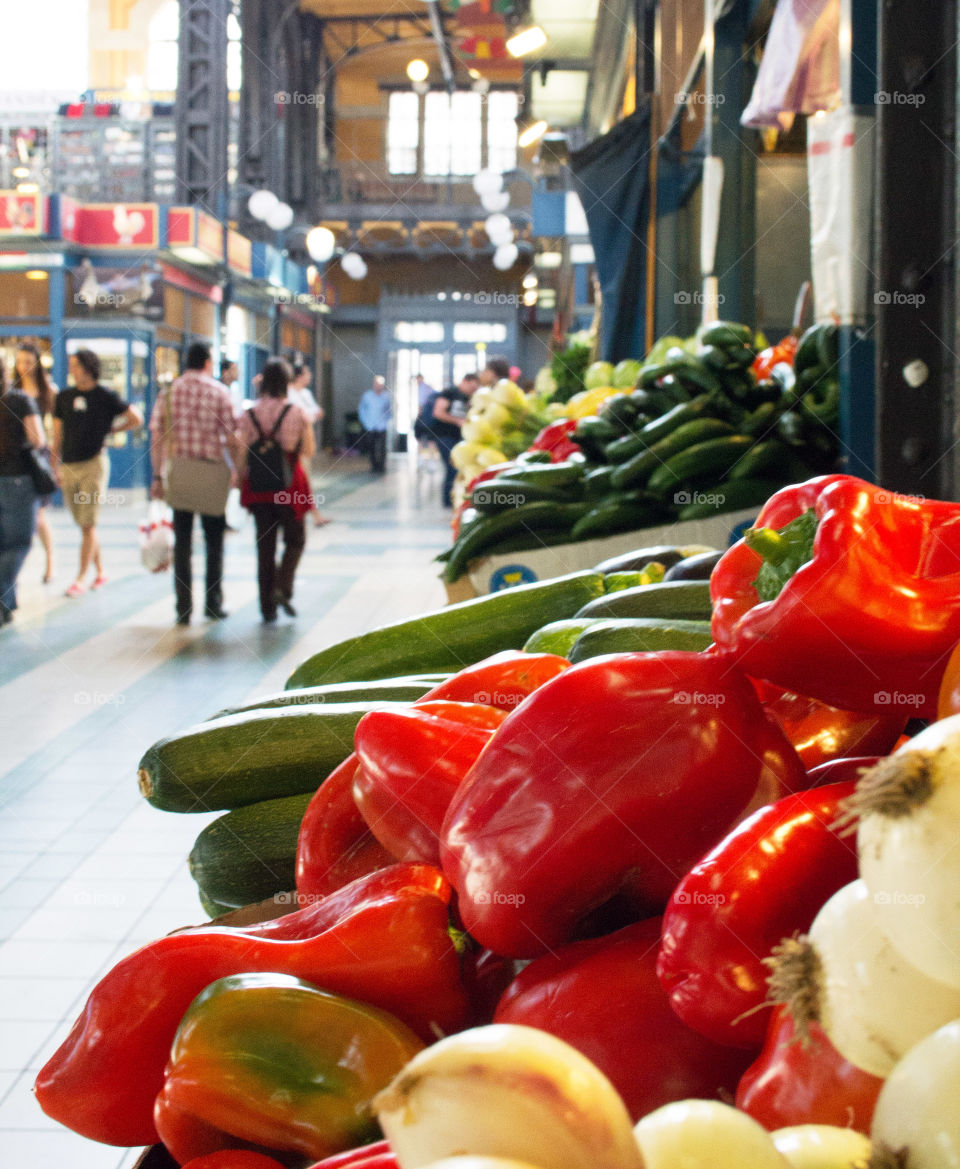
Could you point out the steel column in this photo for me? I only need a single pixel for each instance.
(916, 225)
(202, 107)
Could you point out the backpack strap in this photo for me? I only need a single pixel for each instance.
(252, 414)
(279, 422)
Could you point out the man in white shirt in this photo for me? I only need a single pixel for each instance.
(375, 412)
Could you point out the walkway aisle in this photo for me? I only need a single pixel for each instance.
(88, 871)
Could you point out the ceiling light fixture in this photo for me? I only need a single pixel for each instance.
(418, 70)
(526, 41)
(532, 134)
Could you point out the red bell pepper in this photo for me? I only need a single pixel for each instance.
(842, 770)
(782, 353)
(233, 1159)
(806, 1083)
(382, 939)
(948, 696)
(767, 879)
(411, 763)
(335, 846)
(276, 1063)
(603, 998)
(556, 438)
(846, 592)
(376, 1156)
(820, 732)
(621, 772)
(503, 680)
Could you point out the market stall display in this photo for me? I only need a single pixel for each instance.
(526, 808)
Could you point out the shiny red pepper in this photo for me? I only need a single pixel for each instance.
(556, 438)
(376, 1156)
(603, 998)
(856, 602)
(335, 846)
(233, 1159)
(383, 939)
(767, 879)
(806, 1083)
(782, 353)
(619, 773)
(842, 770)
(503, 680)
(820, 732)
(411, 763)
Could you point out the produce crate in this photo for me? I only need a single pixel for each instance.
(492, 573)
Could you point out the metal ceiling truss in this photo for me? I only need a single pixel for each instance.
(202, 105)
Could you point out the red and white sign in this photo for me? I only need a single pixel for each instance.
(239, 253)
(118, 225)
(21, 214)
(194, 235)
(210, 236)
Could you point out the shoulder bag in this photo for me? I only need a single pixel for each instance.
(37, 466)
(197, 485)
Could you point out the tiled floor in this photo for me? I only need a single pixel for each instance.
(88, 871)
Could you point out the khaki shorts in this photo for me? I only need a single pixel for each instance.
(84, 485)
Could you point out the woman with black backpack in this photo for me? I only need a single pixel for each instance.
(20, 427)
(275, 435)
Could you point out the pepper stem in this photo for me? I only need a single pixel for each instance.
(783, 551)
(794, 982)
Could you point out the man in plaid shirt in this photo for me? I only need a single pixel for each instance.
(198, 423)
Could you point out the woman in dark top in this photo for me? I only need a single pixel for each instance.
(19, 427)
(30, 377)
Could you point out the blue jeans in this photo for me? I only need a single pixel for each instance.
(444, 447)
(18, 518)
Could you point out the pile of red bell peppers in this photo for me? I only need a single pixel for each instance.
(643, 827)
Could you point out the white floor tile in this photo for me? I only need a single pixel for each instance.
(41, 998)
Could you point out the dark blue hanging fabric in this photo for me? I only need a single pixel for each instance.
(611, 176)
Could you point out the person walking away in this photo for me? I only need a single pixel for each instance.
(19, 427)
(30, 377)
(449, 414)
(375, 412)
(192, 446)
(83, 417)
(230, 377)
(274, 432)
(424, 391)
(301, 395)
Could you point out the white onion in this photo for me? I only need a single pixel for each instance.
(908, 845)
(919, 1106)
(704, 1134)
(848, 976)
(506, 1091)
(821, 1146)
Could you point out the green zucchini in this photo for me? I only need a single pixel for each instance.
(689, 599)
(598, 429)
(809, 349)
(529, 518)
(453, 637)
(532, 456)
(596, 483)
(558, 637)
(621, 410)
(667, 423)
(213, 908)
(555, 475)
(665, 554)
(527, 541)
(762, 457)
(716, 455)
(629, 512)
(407, 689)
(245, 758)
(616, 582)
(726, 334)
(643, 466)
(626, 447)
(498, 495)
(730, 496)
(641, 635)
(249, 854)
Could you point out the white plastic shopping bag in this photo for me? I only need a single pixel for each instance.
(156, 537)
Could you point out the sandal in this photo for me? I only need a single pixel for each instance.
(75, 590)
(99, 582)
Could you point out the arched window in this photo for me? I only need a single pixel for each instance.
(162, 53)
(163, 34)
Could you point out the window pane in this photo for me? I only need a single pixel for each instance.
(162, 66)
(234, 66)
(403, 133)
(418, 332)
(466, 115)
(502, 110)
(436, 133)
(491, 333)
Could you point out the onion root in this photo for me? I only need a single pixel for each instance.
(794, 981)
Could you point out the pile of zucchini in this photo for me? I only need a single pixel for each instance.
(698, 436)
